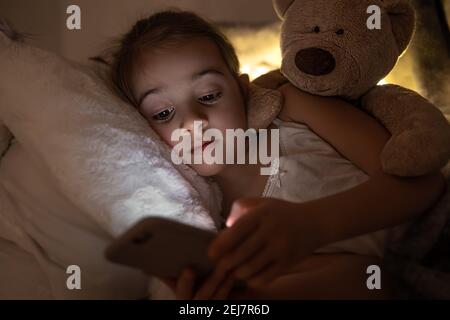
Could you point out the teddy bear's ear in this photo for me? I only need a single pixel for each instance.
(281, 6)
(402, 16)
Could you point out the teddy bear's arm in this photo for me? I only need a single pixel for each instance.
(264, 100)
(420, 142)
(263, 105)
(272, 80)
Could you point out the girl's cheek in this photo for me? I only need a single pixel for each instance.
(167, 137)
(160, 132)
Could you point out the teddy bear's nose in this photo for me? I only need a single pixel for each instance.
(315, 61)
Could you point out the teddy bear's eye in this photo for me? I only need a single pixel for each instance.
(316, 29)
(340, 32)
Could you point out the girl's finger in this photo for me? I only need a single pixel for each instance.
(210, 285)
(229, 238)
(185, 285)
(170, 282)
(250, 247)
(254, 265)
(266, 275)
(224, 290)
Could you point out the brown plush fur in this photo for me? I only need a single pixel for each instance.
(272, 101)
(420, 134)
(329, 51)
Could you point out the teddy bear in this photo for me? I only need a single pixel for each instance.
(328, 49)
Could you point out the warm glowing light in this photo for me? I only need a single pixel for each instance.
(258, 48)
(246, 69)
(254, 71)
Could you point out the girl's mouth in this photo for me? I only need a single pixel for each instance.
(204, 145)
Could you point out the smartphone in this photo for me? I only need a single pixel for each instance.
(163, 248)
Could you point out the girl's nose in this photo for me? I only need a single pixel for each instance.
(193, 120)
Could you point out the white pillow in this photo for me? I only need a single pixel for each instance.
(97, 150)
(103, 154)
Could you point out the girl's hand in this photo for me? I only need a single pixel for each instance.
(266, 239)
(217, 286)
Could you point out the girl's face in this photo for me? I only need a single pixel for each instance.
(189, 81)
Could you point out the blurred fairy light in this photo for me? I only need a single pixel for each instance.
(258, 47)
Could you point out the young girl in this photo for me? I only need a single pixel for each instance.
(294, 234)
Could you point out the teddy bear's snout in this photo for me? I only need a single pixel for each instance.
(315, 61)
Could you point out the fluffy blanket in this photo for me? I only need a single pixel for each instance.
(420, 260)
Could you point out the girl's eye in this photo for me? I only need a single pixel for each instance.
(210, 98)
(164, 115)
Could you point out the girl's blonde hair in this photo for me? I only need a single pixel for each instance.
(161, 28)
